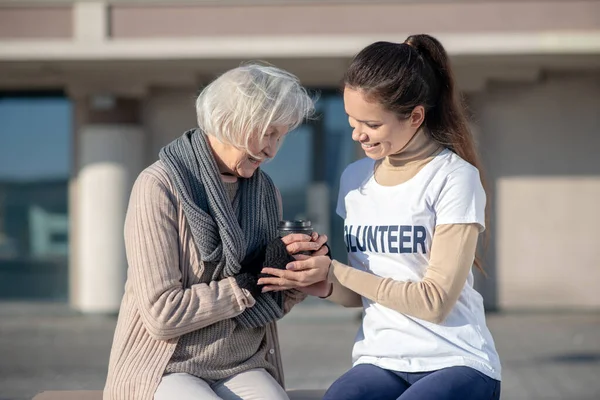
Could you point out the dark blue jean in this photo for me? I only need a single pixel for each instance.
(369, 382)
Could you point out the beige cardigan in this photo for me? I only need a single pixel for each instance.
(158, 309)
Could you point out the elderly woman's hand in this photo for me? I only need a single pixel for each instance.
(297, 243)
(307, 272)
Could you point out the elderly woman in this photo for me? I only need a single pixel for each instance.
(194, 323)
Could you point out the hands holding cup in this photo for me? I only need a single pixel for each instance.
(308, 273)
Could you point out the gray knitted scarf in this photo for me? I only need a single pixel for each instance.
(223, 238)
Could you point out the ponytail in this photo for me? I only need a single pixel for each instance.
(445, 120)
(401, 76)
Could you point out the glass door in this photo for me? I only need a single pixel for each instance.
(35, 160)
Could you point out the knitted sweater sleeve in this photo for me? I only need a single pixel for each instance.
(167, 309)
(432, 298)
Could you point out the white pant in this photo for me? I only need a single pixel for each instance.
(256, 384)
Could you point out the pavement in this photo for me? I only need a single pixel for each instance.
(45, 346)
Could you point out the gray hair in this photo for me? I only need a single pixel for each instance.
(243, 102)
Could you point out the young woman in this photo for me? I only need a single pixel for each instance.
(413, 209)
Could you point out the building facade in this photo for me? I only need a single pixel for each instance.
(91, 90)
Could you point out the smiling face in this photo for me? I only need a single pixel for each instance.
(235, 163)
(245, 113)
(379, 131)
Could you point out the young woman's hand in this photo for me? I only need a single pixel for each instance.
(298, 242)
(305, 272)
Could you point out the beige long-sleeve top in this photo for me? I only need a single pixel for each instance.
(166, 293)
(451, 257)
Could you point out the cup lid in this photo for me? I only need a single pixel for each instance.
(296, 224)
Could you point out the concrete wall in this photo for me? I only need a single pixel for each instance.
(540, 142)
(119, 30)
(167, 113)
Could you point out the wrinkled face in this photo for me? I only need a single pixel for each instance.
(380, 132)
(238, 163)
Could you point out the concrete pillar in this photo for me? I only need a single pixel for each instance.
(111, 144)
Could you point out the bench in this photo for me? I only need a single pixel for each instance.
(97, 395)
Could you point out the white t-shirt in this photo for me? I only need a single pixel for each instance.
(388, 232)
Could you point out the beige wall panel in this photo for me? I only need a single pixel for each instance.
(496, 16)
(36, 22)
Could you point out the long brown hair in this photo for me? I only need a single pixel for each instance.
(402, 76)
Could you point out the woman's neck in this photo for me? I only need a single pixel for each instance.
(217, 147)
(228, 178)
(398, 168)
(418, 148)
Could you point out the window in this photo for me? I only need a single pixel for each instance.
(318, 151)
(35, 160)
